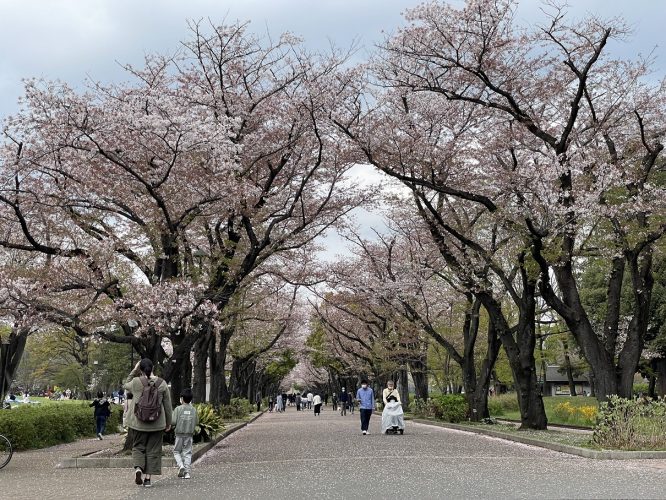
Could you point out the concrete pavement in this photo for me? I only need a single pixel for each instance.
(296, 454)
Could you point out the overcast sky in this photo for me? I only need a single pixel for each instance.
(72, 39)
(69, 39)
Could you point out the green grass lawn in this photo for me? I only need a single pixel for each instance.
(508, 404)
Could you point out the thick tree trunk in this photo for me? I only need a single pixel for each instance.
(403, 388)
(178, 371)
(200, 364)
(419, 371)
(219, 390)
(10, 358)
(476, 387)
(520, 351)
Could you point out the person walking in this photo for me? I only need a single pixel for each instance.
(149, 420)
(258, 401)
(366, 398)
(298, 402)
(310, 398)
(270, 404)
(316, 401)
(278, 403)
(350, 399)
(334, 402)
(185, 419)
(102, 413)
(343, 402)
(326, 399)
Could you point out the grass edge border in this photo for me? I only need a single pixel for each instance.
(562, 448)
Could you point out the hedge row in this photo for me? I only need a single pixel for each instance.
(447, 407)
(39, 426)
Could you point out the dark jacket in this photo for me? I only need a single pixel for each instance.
(343, 397)
(101, 408)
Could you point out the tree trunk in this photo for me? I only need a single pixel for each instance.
(221, 394)
(200, 364)
(178, 371)
(419, 371)
(660, 373)
(10, 358)
(403, 385)
(520, 351)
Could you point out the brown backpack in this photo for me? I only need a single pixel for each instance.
(149, 405)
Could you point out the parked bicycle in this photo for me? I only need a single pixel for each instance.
(5, 451)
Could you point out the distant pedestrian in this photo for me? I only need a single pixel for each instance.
(102, 413)
(149, 420)
(284, 401)
(278, 403)
(258, 400)
(334, 402)
(316, 401)
(326, 399)
(270, 404)
(343, 402)
(185, 419)
(351, 402)
(310, 398)
(298, 402)
(366, 398)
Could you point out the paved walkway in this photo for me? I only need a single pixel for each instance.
(295, 454)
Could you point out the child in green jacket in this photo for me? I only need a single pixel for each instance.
(184, 420)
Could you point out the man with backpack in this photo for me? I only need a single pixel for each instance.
(149, 420)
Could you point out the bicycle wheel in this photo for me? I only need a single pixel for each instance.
(5, 451)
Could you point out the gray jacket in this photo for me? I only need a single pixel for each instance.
(185, 419)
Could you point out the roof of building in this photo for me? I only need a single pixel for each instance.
(553, 375)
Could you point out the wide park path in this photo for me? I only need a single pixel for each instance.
(295, 454)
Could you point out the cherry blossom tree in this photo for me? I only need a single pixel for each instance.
(144, 206)
(540, 131)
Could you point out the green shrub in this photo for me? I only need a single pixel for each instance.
(48, 424)
(450, 407)
(640, 389)
(421, 408)
(503, 404)
(237, 408)
(210, 423)
(631, 424)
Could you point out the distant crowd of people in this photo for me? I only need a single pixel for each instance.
(344, 402)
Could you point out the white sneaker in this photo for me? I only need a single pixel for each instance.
(365, 432)
(181, 472)
(186, 476)
(99, 436)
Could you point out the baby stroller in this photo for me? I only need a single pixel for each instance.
(393, 418)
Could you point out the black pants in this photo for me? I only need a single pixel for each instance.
(317, 409)
(365, 418)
